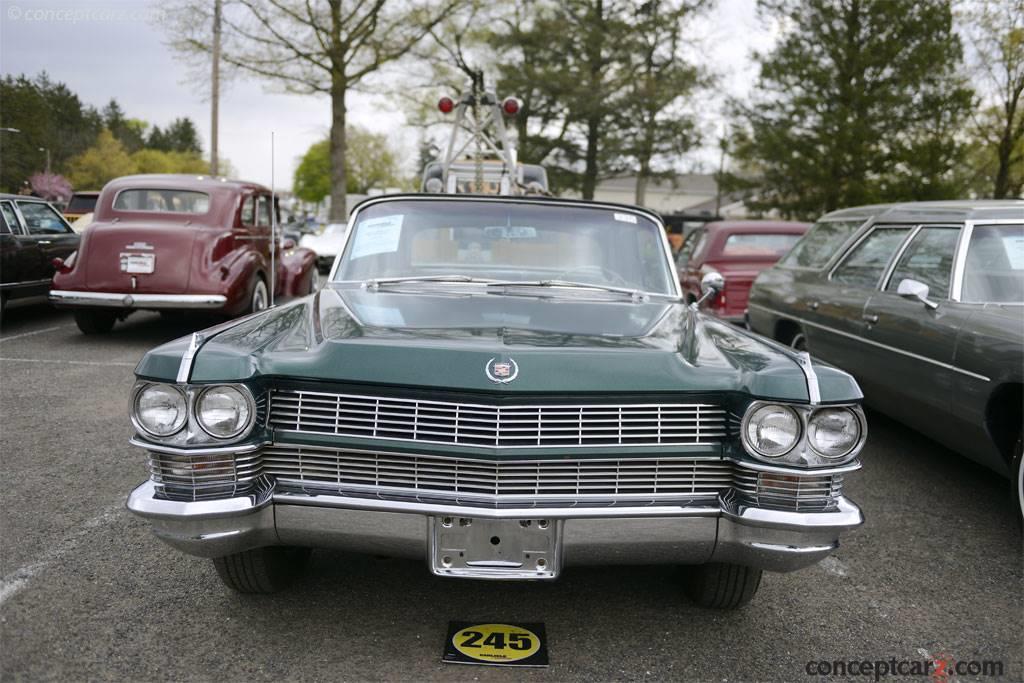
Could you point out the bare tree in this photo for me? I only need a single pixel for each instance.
(317, 47)
(996, 31)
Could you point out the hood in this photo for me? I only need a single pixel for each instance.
(169, 245)
(323, 245)
(445, 341)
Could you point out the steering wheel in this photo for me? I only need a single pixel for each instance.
(590, 271)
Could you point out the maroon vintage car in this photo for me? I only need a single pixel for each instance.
(179, 242)
(739, 250)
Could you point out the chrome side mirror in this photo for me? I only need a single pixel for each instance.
(914, 289)
(711, 284)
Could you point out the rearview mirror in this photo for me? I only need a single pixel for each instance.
(914, 289)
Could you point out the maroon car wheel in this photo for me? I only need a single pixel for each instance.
(259, 299)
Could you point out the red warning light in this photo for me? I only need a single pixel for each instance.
(510, 106)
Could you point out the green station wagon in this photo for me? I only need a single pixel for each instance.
(924, 304)
(502, 387)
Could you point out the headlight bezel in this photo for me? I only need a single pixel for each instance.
(246, 396)
(858, 420)
(193, 433)
(781, 407)
(804, 454)
(137, 393)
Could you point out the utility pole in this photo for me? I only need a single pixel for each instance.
(47, 150)
(215, 89)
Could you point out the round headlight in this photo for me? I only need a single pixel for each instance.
(833, 432)
(773, 430)
(160, 409)
(223, 412)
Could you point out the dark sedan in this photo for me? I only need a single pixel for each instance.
(924, 304)
(32, 234)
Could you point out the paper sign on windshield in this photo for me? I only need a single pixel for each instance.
(377, 236)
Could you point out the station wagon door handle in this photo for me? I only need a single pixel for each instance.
(870, 318)
(813, 305)
(45, 242)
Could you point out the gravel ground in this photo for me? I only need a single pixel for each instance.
(87, 593)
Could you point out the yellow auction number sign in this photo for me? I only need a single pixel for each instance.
(496, 642)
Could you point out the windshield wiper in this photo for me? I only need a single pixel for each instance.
(634, 294)
(376, 283)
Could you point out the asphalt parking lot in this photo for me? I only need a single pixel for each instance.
(88, 594)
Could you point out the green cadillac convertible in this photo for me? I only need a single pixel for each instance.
(503, 387)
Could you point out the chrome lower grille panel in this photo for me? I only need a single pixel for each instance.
(568, 480)
(504, 426)
(499, 482)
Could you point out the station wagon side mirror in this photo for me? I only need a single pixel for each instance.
(914, 289)
(711, 284)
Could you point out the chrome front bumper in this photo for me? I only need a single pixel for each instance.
(127, 300)
(651, 534)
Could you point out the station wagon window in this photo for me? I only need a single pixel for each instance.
(42, 219)
(162, 201)
(928, 259)
(10, 217)
(759, 244)
(994, 271)
(864, 265)
(820, 243)
(248, 210)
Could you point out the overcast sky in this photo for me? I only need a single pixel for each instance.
(105, 49)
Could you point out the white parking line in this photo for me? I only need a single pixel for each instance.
(69, 362)
(14, 582)
(29, 334)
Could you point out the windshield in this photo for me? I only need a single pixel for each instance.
(507, 241)
(994, 272)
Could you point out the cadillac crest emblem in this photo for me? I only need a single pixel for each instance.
(501, 371)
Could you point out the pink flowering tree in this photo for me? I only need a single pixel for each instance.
(50, 186)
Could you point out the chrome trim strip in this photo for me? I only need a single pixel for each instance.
(185, 368)
(25, 283)
(909, 354)
(217, 450)
(796, 470)
(813, 391)
(129, 300)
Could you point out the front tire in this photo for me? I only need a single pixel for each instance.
(262, 570)
(720, 585)
(259, 299)
(1017, 472)
(95, 322)
(314, 280)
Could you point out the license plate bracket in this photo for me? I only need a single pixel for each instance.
(482, 548)
(137, 263)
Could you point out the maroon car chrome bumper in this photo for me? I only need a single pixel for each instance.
(126, 300)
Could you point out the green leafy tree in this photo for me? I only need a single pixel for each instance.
(131, 133)
(996, 31)
(860, 101)
(180, 136)
(158, 161)
(104, 161)
(312, 180)
(371, 164)
(48, 115)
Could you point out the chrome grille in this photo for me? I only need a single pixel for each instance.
(348, 469)
(514, 426)
(788, 491)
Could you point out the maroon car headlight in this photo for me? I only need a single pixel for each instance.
(159, 409)
(225, 412)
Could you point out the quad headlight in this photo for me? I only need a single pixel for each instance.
(802, 435)
(772, 430)
(160, 410)
(223, 411)
(833, 432)
(185, 415)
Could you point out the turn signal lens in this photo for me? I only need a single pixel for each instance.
(772, 430)
(833, 432)
(160, 409)
(224, 412)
